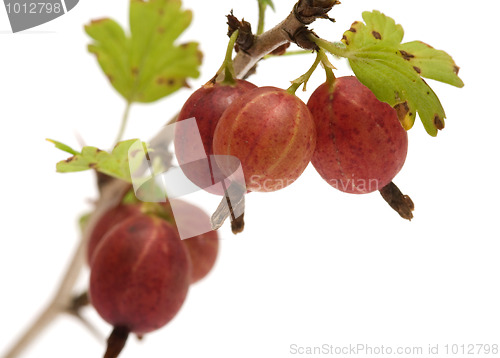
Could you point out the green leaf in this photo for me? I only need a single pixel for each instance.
(267, 2)
(147, 65)
(63, 147)
(115, 164)
(394, 71)
(432, 63)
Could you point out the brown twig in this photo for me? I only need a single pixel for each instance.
(280, 34)
(110, 196)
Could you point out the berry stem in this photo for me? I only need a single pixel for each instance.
(302, 80)
(227, 66)
(335, 48)
(328, 67)
(320, 58)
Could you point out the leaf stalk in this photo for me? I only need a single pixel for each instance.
(124, 122)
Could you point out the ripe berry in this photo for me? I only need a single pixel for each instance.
(139, 274)
(206, 105)
(271, 132)
(107, 221)
(202, 248)
(361, 144)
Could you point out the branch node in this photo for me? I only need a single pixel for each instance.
(306, 11)
(302, 38)
(246, 38)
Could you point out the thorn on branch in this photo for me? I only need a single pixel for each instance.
(302, 37)
(245, 37)
(401, 203)
(326, 17)
(306, 11)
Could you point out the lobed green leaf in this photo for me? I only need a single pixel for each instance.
(147, 65)
(115, 164)
(394, 71)
(432, 63)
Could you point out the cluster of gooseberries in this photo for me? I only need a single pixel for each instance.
(141, 269)
(141, 261)
(356, 142)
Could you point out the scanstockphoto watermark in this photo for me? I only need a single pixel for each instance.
(363, 349)
(354, 349)
(26, 14)
(353, 185)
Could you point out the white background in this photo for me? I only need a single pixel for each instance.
(314, 265)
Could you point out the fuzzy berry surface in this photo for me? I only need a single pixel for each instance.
(361, 144)
(272, 133)
(140, 274)
(206, 105)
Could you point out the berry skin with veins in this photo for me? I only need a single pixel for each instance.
(139, 274)
(206, 105)
(361, 143)
(272, 133)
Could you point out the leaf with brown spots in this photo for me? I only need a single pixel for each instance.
(115, 164)
(434, 64)
(405, 116)
(147, 65)
(394, 71)
(377, 28)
